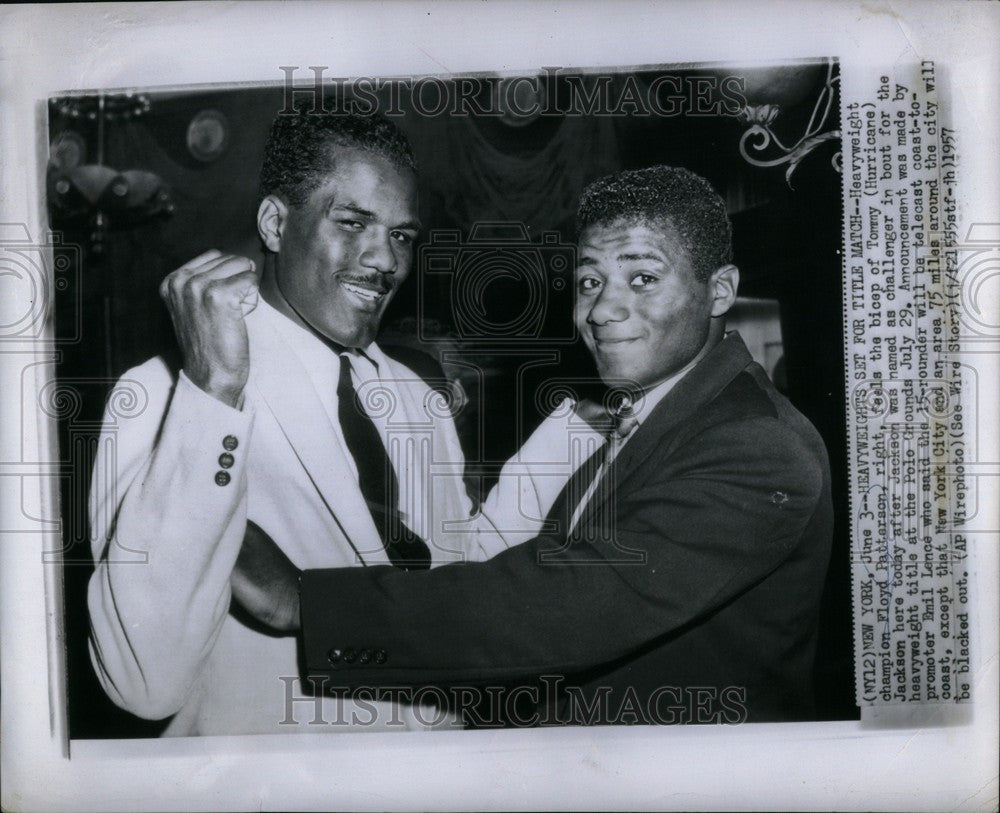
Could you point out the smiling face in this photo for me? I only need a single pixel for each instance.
(341, 255)
(641, 309)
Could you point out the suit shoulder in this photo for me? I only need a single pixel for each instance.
(744, 397)
(421, 365)
(761, 415)
(416, 361)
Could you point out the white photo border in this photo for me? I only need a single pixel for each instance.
(917, 765)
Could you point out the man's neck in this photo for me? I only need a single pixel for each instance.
(715, 336)
(271, 294)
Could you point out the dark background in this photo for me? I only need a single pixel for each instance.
(473, 170)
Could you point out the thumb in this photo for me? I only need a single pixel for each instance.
(249, 299)
(249, 290)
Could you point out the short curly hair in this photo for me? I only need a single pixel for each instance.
(296, 155)
(663, 194)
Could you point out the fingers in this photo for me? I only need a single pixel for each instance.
(265, 582)
(224, 266)
(208, 299)
(189, 281)
(237, 290)
(201, 259)
(207, 257)
(251, 296)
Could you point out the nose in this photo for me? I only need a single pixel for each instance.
(609, 306)
(377, 252)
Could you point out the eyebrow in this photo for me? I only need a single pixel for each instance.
(350, 207)
(628, 257)
(413, 225)
(644, 256)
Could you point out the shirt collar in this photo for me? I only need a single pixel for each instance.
(647, 403)
(649, 399)
(306, 344)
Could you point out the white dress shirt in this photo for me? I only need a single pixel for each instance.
(527, 486)
(382, 398)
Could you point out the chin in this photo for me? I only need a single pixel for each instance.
(613, 374)
(353, 332)
(359, 339)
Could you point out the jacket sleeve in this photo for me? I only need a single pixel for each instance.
(707, 523)
(168, 514)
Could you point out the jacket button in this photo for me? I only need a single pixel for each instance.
(222, 478)
(365, 656)
(334, 656)
(229, 442)
(226, 460)
(380, 656)
(350, 655)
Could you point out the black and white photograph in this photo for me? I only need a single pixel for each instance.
(542, 418)
(495, 276)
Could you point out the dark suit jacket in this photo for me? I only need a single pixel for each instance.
(702, 607)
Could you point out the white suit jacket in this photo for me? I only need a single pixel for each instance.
(168, 518)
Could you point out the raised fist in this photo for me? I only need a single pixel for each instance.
(208, 299)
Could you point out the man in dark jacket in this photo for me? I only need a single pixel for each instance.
(683, 577)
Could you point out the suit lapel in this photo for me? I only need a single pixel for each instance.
(280, 381)
(712, 374)
(429, 480)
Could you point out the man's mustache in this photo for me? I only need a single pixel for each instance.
(383, 283)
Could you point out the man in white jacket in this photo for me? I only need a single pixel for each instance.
(251, 429)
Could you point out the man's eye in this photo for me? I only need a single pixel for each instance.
(643, 280)
(403, 237)
(588, 285)
(352, 225)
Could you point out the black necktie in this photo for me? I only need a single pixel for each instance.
(377, 477)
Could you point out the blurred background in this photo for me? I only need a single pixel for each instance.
(139, 183)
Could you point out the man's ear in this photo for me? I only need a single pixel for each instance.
(271, 216)
(723, 285)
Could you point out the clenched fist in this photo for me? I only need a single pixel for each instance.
(208, 299)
